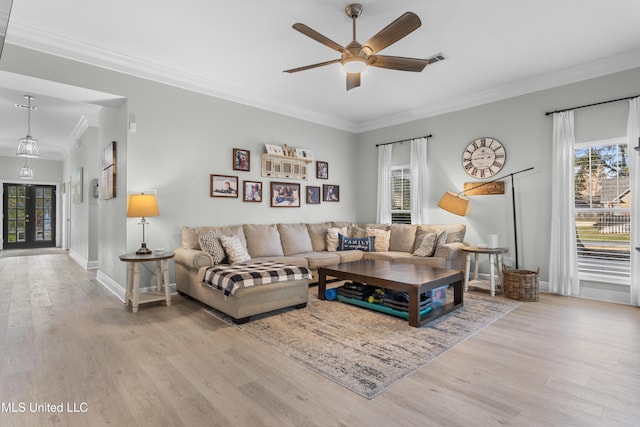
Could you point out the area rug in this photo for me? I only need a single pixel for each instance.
(363, 350)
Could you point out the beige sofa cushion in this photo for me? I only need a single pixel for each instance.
(382, 238)
(210, 243)
(332, 237)
(320, 259)
(190, 234)
(318, 235)
(436, 262)
(403, 237)
(356, 232)
(340, 224)
(263, 240)
(295, 239)
(455, 232)
(430, 243)
(235, 251)
(375, 226)
(350, 255)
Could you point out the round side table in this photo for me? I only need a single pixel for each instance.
(133, 279)
(495, 257)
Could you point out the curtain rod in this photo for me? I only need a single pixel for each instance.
(404, 140)
(591, 105)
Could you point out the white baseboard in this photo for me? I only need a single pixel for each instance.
(84, 263)
(112, 286)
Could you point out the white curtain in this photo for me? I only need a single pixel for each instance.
(419, 187)
(633, 133)
(563, 257)
(385, 153)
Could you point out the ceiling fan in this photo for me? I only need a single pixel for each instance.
(356, 57)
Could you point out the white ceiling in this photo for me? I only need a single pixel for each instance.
(237, 50)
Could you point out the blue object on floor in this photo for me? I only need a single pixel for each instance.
(330, 294)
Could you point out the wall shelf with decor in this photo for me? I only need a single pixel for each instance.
(276, 166)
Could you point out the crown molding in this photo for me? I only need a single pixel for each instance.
(36, 39)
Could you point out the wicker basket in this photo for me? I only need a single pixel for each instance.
(521, 284)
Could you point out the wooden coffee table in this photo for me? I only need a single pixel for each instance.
(410, 278)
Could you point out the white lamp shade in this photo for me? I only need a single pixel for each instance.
(28, 147)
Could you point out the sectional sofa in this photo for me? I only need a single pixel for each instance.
(305, 245)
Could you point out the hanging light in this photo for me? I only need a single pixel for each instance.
(26, 172)
(28, 146)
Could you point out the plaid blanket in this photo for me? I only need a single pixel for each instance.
(230, 278)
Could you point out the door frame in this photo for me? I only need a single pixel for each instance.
(58, 204)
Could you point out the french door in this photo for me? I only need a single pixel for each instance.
(29, 216)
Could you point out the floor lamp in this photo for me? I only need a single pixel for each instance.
(457, 203)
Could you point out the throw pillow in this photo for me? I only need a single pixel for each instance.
(332, 237)
(382, 238)
(210, 243)
(366, 244)
(355, 231)
(235, 251)
(430, 243)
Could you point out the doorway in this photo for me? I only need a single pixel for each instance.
(29, 216)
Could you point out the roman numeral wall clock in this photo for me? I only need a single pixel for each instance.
(484, 157)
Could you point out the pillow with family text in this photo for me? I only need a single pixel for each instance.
(366, 244)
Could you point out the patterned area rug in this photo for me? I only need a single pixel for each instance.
(363, 350)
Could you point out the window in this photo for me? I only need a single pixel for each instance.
(400, 195)
(603, 208)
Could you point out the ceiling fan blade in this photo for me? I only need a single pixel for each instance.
(309, 32)
(308, 67)
(353, 80)
(398, 63)
(393, 32)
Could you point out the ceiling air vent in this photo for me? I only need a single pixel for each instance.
(436, 58)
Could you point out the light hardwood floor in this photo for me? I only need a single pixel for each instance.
(65, 339)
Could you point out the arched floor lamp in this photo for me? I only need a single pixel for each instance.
(457, 204)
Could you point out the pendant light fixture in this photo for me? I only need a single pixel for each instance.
(28, 146)
(26, 172)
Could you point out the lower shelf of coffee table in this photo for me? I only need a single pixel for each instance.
(380, 308)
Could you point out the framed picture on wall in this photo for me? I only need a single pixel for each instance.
(109, 182)
(313, 195)
(241, 160)
(76, 186)
(322, 170)
(251, 191)
(285, 195)
(109, 155)
(224, 186)
(330, 193)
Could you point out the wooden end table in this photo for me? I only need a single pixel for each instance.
(495, 257)
(133, 294)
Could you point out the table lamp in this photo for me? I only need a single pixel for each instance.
(142, 205)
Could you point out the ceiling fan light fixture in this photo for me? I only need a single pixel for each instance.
(354, 64)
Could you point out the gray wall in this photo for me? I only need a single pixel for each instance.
(520, 124)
